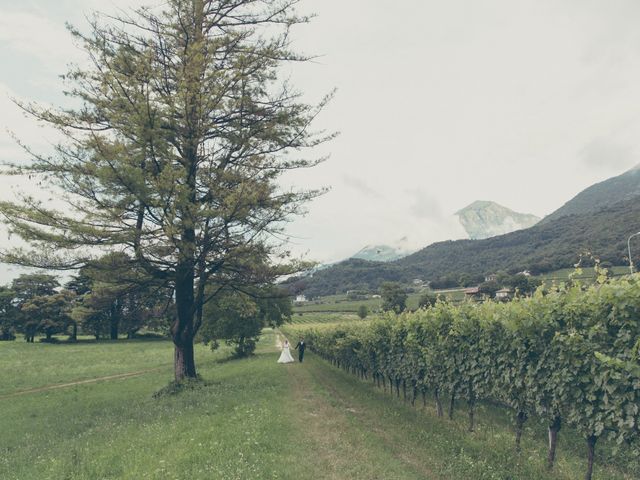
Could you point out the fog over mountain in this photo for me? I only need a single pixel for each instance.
(385, 253)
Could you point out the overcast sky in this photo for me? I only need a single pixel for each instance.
(439, 103)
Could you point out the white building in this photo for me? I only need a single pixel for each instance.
(503, 293)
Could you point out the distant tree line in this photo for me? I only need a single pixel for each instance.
(113, 299)
(108, 300)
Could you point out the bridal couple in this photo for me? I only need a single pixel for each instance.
(285, 356)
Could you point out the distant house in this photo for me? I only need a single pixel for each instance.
(375, 296)
(417, 281)
(301, 298)
(472, 291)
(491, 277)
(526, 273)
(503, 293)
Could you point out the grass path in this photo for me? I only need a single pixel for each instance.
(341, 436)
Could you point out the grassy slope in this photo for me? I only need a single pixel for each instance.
(254, 419)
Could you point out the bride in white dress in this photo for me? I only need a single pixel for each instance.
(285, 356)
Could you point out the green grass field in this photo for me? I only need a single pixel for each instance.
(249, 419)
(587, 274)
(340, 304)
(316, 318)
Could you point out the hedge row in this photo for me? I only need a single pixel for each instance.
(569, 356)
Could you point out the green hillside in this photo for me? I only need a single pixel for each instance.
(542, 248)
(601, 195)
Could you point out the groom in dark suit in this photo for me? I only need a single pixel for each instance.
(300, 347)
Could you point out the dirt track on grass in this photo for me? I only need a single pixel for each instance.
(79, 382)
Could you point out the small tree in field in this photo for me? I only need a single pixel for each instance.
(174, 155)
(238, 318)
(49, 313)
(25, 288)
(394, 297)
(363, 311)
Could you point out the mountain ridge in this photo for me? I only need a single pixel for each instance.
(607, 192)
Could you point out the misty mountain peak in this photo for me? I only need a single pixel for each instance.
(484, 219)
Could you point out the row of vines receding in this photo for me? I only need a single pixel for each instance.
(569, 357)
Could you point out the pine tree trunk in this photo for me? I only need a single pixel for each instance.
(182, 329)
(184, 363)
(554, 428)
(591, 450)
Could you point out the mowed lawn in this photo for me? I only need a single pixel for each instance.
(250, 419)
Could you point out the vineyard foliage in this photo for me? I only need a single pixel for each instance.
(568, 356)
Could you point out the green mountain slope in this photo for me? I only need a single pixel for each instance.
(600, 195)
(483, 219)
(544, 247)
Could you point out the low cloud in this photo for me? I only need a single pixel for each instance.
(361, 186)
(604, 154)
(424, 205)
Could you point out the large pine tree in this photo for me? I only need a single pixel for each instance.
(174, 153)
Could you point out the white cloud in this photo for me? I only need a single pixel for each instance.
(14, 122)
(605, 154)
(361, 187)
(424, 205)
(37, 36)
